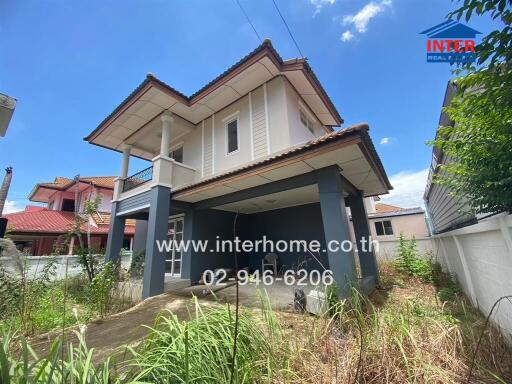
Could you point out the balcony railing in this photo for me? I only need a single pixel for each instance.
(138, 178)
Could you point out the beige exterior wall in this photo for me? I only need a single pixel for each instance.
(409, 225)
(268, 122)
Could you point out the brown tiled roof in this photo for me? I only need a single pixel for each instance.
(266, 45)
(381, 207)
(399, 212)
(62, 183)
(356, 129)
(100, 181)
(104, 218)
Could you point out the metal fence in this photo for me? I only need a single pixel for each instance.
(138, 178)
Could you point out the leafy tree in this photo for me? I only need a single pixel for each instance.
(480, 141)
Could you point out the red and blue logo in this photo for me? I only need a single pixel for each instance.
(450, 42)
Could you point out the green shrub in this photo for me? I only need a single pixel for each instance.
(137, 264)
(101, 286)
(447, 293)
(409, 262)
(52, 310)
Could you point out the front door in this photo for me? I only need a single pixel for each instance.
(173, 257)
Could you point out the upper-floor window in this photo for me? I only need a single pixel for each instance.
(232, 143)
(177, 154)
(307, 122)
(383, 228)
(68, 205)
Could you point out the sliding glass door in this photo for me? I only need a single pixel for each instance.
(174, 256)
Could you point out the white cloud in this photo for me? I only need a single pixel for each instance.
(11, 207)
(347, 36)
(361, 19)
(408, 189)
(385, 140)
(318, 4)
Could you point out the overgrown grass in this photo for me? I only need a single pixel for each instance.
(200, 350)
(409, 331)
(404, 333)
(34, 306)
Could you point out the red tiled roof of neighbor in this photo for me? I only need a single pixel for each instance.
(380, 207)
(64, 182)
(46, 221)
(100, 181)
(34, 208)
(103, 218)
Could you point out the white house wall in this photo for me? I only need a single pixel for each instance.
(268, 122)
(259, 125)
(298, 132)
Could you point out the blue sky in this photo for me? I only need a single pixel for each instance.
(70, 64)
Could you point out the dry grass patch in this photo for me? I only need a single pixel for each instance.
(408, 335)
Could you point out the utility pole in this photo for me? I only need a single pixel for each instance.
(5, 188)
(3, 197)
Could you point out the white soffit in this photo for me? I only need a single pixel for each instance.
(354, 165)
(310, 96)
(155, 100)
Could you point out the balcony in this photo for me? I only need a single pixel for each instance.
(164, 171)
(138, 179)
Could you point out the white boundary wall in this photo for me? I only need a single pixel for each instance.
(36, 264)
(479, 257)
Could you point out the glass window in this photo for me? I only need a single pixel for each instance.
(383, 228)
(232, 135)
(68, 205)
(307, 122)
(177, 155)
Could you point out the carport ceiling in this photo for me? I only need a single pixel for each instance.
(298, 196)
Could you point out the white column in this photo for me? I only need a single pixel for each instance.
(167, 121)
(126, 161)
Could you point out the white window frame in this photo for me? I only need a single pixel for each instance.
(175, 219)
(310, 123)
(227, 121)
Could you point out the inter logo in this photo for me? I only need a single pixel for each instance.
(450, 42)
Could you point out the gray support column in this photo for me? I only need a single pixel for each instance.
(154, 263)
(188, 255)
(141, 234)
(363, 238)
(336, 227)
(115, 235)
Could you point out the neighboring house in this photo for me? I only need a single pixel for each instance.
(41, 230)
(445, 211)
(254, 152)
(389, 221)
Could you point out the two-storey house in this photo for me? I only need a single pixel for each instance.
(41, 230)
(253, 153)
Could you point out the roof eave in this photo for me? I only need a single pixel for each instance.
(265, 49)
